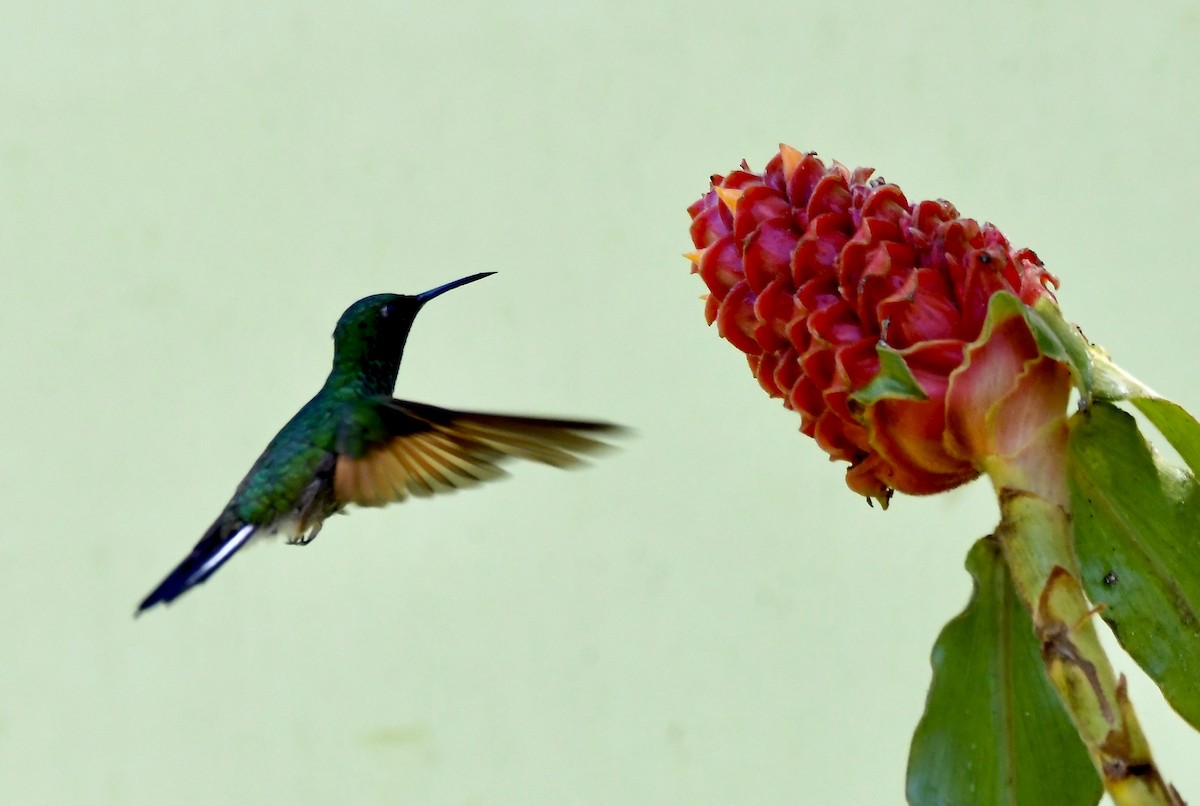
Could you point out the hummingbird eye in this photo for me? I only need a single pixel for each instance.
(385, 311)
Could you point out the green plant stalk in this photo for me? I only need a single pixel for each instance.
(1035, 536)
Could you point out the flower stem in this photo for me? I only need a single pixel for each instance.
(1035, 534)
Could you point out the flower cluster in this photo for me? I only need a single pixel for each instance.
(811, 269)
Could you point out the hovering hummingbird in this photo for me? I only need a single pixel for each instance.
(353, 443)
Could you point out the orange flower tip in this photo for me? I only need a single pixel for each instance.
(730, 197)
(791, 160)
(694, 255)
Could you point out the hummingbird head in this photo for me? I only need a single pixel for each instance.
(368, 341)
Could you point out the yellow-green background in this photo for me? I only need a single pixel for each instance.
(191, 194)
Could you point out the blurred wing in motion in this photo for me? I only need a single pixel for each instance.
(430, 450)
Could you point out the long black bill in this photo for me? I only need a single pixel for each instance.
(442, 289)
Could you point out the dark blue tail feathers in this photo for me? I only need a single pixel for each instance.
(219, 543)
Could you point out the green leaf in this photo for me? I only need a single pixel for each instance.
(895, 380)
(994, 731)
(1112, 382)
(1137, 534)
(1171, 419)
(1074, 346)
(1174, 423)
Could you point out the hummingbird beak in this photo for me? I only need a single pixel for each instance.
(442, 289)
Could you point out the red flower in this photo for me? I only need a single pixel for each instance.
(814, 272)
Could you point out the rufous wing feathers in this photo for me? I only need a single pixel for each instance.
(441, 450)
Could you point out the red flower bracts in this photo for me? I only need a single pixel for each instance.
(860, 309)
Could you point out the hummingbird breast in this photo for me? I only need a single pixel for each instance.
(289, 490)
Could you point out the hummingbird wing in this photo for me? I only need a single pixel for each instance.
(418, 449)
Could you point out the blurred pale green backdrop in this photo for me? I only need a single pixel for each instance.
(191, 194)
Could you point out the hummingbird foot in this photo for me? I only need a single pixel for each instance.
(304, 538)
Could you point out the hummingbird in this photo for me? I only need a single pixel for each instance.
(353, 443)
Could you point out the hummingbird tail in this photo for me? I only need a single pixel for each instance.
(217, 545)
